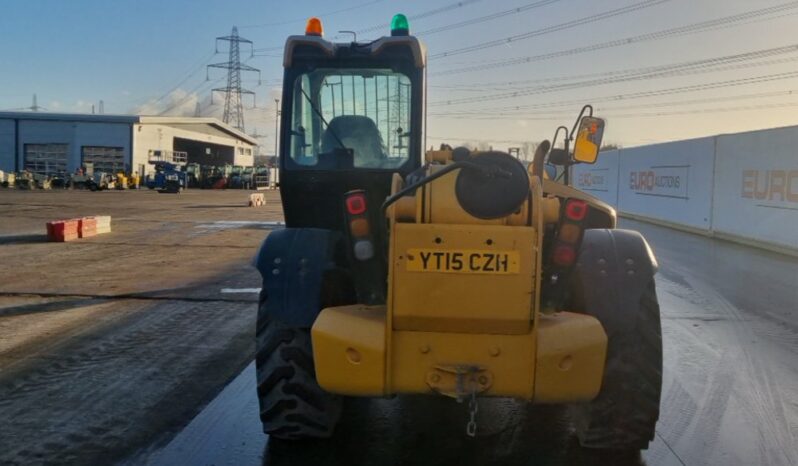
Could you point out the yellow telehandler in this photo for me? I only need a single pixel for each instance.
(451, 273)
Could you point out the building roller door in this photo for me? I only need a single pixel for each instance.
(105, 159)
(46, 159)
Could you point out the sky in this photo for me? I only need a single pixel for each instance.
(501, 73)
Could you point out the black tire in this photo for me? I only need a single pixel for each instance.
(624, 414)
(292, 404)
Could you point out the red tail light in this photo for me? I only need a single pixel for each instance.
(564, 255)
(356, 203)
(575, 209)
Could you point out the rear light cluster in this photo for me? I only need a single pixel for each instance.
(570, 233)
(359, 228)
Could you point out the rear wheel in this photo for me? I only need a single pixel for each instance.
(624, 414)
(292, 404)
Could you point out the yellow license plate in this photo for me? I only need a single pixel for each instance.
(463, 261)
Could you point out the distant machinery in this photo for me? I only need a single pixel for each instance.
(233, 107)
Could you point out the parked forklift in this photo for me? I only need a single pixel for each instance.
(194, 173)
(453, 273)
(83, 178)
(169, 176)
(215, 177)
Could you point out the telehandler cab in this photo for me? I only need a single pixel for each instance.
(467, 276)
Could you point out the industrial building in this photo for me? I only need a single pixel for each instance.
(52, 143)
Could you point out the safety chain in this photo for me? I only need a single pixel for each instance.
(471, 427)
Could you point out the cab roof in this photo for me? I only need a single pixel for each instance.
(374, 48)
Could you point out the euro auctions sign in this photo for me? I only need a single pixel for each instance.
(593, 180)
(661, 181)
(772, 188)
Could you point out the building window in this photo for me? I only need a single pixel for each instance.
(248, 151)
(104, 159)
(46, 159)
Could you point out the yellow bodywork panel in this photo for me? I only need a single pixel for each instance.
(463, 278)
(507, 359)
(572, 349)
(462, 310)
(560, 359)
(349, 349)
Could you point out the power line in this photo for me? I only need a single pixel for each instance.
(299, 20)
(678, 69)
(703, 26)
(384, 26)
(508, 85)
(654, 93)
(417, 16)
(201, 87)
(191, 73)
(707, 110)
(482, 115)
(482, 19)
(635, 115)
(558, 27)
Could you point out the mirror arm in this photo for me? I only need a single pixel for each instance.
(579, 118)
(556, 132)
(569, 161)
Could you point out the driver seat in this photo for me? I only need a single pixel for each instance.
(357, 132)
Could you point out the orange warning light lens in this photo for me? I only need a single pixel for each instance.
(569, 233)
(359, 227)
(313, 27)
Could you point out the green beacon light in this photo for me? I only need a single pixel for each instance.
(399, 25)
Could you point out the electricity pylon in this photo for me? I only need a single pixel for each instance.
(233, 107)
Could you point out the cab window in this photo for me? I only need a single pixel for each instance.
(366, 111)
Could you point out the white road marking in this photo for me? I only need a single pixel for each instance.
(240, 290)
(235, 224)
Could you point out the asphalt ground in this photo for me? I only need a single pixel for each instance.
(135, 347)
(730, 390)
(110, 343)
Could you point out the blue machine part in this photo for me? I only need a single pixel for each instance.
(292, 263)
(166, 172)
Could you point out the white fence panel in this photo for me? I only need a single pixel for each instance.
(599, 179)
(670, 182)
(756, 186)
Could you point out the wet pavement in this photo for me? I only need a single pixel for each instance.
(730, 393)
(110, 342)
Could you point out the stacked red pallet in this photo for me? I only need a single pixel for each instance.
(103, 224)
(87, 227)
(84, 227)
(62, 230)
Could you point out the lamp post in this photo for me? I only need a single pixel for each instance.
(276, 124)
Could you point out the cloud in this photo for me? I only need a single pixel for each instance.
(82, 106)
(177, 103)
(180, 102)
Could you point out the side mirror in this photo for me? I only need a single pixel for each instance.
(588, 139)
